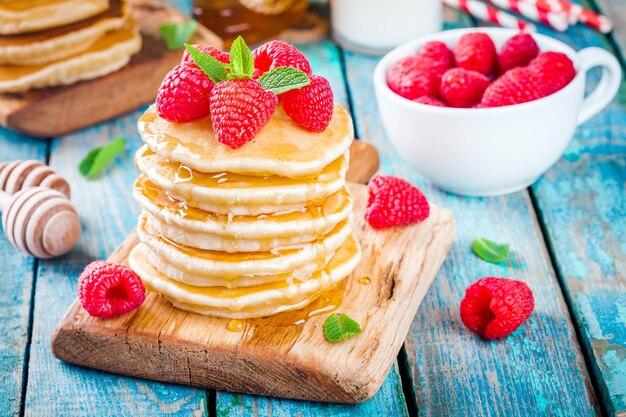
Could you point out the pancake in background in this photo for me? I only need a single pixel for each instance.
(108, 54)
(62, 42)
(240, 194)
(24, 16)
(231, 266)
(257, 301)
(281, 148)
(317, 220)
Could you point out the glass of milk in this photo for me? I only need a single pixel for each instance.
(375, 26)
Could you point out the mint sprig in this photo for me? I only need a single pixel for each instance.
(279, 80)
(177, 34)
(282, 79)
(98, 158)
(213, 68)
(338, 328)
(490, 251)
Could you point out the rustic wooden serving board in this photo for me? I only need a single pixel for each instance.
(56, 111)
(285, 355)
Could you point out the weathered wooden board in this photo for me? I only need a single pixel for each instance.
(56, 111)
(539, 370)
(278, 356)
(582, 207)
(16, 287)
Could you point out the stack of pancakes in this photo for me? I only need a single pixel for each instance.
(46, 43)
(247, 232)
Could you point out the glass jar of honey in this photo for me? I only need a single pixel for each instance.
(255, 20)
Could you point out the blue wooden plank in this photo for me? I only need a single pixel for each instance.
(582, 205)
(539, 370)
(16, 283)
(108, 214)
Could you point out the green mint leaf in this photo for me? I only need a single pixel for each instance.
(338, 328)
(177, 34)
(97, 158)
(212, 67)
(490, 251)
(241, 62)
(282, 79)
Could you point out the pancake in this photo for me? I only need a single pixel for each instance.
(108, 54)
(240, 194)
(249, 302)
(281, 148)
(314, 219)
(231, 266)
(23, 16)
(55, 44)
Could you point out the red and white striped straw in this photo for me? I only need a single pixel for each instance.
(490, 14)
(558, 20)
(576, 13)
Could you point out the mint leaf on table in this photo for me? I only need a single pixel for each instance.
(490, 251)
(213, 68)
(97, 158)
(338, 328)
(241, 61)
(177, 34)
(283, 79)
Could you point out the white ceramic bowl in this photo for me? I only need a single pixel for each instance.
(498, 150)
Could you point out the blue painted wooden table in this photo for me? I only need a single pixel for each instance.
(566, 233)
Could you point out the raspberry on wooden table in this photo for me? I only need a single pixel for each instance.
(239, 110)
(184, 94)
(394, 202)
(496, 307)
(311, 107)
(218, 54)
(462, 88)
(108, 290)
(476, 52)
(518, 51)
(408, 80)
(279, 54)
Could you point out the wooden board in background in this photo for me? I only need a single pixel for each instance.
(276, 356)
(56, 111)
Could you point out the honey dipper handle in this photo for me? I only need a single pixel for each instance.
(4, 200)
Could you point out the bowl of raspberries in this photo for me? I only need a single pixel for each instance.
(486, 112)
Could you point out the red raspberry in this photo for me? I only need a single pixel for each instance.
(436, 58)
(108, 290)
(496, 307)
(406, 79)
(393, 202)
(431, 101)
(462, 88)
(476, 52)
(554, 70)
(514, 87)
(518, 51)
(279, 54)
(312, 106)
(184, 94)
(239, 110)
(221, 56)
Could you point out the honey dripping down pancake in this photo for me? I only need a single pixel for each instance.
(57, 43)
(247, 226)
(25, 16)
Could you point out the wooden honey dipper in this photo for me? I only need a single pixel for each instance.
(19, 175)
(40, 221)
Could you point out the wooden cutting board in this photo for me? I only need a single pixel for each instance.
(284, 355)
(56, 111)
